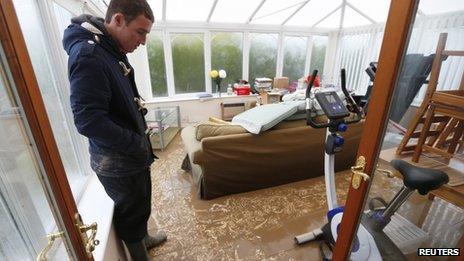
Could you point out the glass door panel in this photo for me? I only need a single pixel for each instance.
(433, 220)
(25, 213)
(410, 72)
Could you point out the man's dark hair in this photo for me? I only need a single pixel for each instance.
(130, 9)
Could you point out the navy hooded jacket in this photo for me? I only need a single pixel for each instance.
(102, 100)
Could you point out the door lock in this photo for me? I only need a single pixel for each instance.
(89, 242)
(358, 173)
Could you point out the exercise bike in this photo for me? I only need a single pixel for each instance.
(365, 246)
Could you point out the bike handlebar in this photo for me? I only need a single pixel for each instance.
(310, 84)
(349, 99)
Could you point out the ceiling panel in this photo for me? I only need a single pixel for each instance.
(333, 21)
(376, 10)
(353, 18)
(234, 11)
(276, 11)
(313, 12)
(182, 10)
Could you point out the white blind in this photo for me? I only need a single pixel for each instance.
(357, 50)
(359, 47)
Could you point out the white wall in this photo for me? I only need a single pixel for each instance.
(139, 60)
(199, 110)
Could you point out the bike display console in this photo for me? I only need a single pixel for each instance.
(332, 105)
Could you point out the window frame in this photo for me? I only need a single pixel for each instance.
(243, 47)
(166, 62)
(207, 29)
(170, 63)
(309, 47)
(279, 56)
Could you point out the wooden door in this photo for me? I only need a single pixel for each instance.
(397, 31)
(25, 87)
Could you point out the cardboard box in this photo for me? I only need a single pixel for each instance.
(280, 82)
(270, 97)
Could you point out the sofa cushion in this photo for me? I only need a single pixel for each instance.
(219, 121)
(211, 129)
(264, 117)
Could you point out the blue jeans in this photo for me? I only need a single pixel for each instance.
(132, 204)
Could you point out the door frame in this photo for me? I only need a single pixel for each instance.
(30, 97)
(394, 45)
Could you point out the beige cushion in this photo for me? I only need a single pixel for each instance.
(211, 129)
(218, 121)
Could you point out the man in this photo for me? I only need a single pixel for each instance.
(106, 108)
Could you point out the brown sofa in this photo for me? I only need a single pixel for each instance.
(235, 163)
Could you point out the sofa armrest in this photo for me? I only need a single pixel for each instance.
(188, 138)
(197, 157)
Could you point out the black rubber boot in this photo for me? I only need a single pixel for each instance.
(155, 240)
(138, 251)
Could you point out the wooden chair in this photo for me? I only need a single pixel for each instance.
(441, 110)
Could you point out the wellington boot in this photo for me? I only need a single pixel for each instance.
(138, 251)
(157, 239)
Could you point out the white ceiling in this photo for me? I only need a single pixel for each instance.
(303, 13)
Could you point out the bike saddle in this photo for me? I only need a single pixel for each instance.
(422, 179)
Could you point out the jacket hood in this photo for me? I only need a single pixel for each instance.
(86, 27)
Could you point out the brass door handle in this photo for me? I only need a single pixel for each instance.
(358, 173)
(42, 256)
(89, 242)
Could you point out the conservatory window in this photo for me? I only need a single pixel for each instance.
(188, 62)
(226, 53)
(55, 97)
(263, 56)
(156, 64)
(318, 53)
(294, 57)
(63, 18)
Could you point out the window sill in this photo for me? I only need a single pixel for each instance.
(193, 97)
(96, 206)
